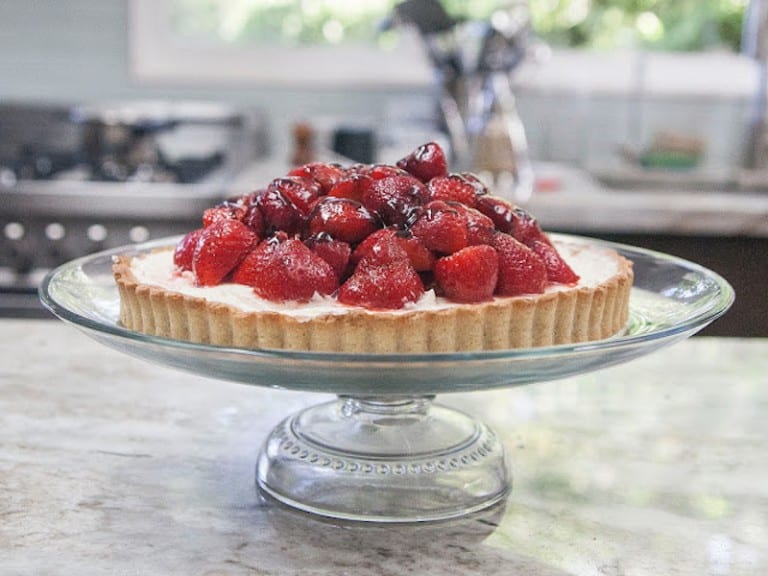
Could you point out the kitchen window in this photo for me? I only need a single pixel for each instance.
(292, 42)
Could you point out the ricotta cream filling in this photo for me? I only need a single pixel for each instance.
(593, 264)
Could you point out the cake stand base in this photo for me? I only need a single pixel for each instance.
(384, 460)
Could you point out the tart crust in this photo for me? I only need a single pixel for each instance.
(570, 315)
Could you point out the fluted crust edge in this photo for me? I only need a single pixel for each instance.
(560, 317)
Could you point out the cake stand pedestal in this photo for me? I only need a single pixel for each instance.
(384, 459)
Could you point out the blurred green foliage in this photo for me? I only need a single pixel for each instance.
(685, 25)
(598, 24)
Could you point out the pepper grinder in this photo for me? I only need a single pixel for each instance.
(303, 144)
(501, 148)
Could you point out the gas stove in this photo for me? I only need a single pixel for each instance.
(76, 180)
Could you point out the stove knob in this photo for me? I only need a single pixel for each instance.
(22, 261)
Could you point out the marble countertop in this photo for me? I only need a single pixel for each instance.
(577, 201)
(110, 465)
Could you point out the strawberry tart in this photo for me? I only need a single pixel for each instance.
(403, 258)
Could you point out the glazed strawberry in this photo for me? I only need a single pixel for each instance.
(350, 186)
(381, 247)
(219, 249)
(426, 162)
(335, 252)
(227, 210)
(421, 258)
(342, 218)
(499, 210)
(382, 287)
(469, 275)
(278, 212)
(254, 219)
(325, 174)
(510, 219)
(479, 186)
(441, 228)
(389, 244)
(286, 271)
(557, 269)
(480, 228)
(394, 198)
(379, 171)
(455, 188)
(521, 271)
(301, 192)
(526, 228)
(185, 250)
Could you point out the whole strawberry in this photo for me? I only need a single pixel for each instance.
(388, 244)
(342, 218)
(521, 271)
(333, 251)
(558, 269)
(277, 212)
(469, 275)
(421, 258)
(300, 192)
(219, 249)
(394, 198)
(325, 174)
(456, 188)
(225, 211)
(441, 228)
(287, 270)
(426, 162)
(380, 247)
(351, 186)
(185, 250)
(480, 228)
(511, 219)
(378, 171)
(382, 286)
(254, 219)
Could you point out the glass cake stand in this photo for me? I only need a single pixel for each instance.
(382, 450)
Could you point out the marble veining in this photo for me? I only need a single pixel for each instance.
(110, 465)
